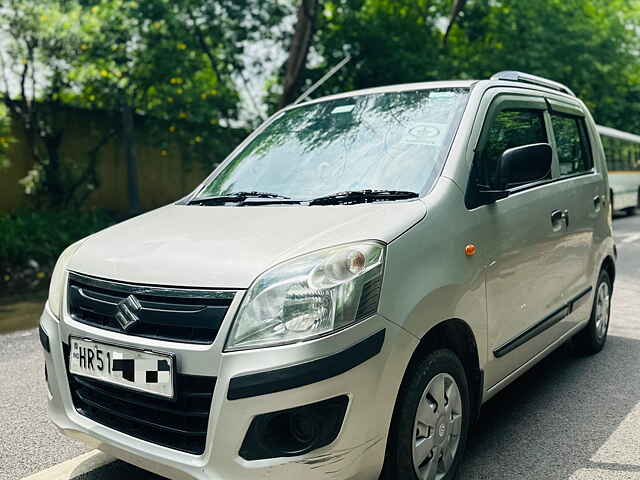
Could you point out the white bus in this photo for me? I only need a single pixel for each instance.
(622, 150)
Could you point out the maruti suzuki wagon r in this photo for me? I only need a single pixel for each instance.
(345, 290)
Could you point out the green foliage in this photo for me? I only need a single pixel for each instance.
(40, 39)
(172, 61)
(42, 235)
(391, 41)
(41, 34)
(591, 45)
(6, 139)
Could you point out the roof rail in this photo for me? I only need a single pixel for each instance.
(514, 76)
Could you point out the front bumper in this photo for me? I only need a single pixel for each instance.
(357, 452)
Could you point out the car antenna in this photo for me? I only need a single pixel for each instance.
(324, 78)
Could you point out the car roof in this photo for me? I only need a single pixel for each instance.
(404, 87)
(493, 82)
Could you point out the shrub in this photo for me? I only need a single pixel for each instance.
(32, 240)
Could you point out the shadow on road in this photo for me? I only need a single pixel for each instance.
(552, 421)
(549, 424)
(118, 471)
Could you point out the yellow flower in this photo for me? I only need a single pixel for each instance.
(182, 46)
(172, 128)
(170, 99)
(183, 115)
(7, 278)
(204, 96)
(84, 46)
(198, 139)
(40, 275)
(104, 73)
(164, 153)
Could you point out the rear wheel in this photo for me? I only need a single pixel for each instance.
(431, 421)
(591, 340)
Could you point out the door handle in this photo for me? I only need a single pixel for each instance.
(557, 218)
(598, 201)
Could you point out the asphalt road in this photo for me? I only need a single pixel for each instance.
(568, 419)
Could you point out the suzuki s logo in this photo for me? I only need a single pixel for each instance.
(127, 312)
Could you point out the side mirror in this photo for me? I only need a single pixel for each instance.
(522, 165)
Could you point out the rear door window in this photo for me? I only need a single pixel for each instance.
(571, 144)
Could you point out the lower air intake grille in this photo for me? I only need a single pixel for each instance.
(181, 424)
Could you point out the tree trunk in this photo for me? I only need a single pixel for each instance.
(128, 143)
(456, 9)
(55, 188)
(299, 50)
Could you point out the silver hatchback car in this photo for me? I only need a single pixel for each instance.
(342, 294)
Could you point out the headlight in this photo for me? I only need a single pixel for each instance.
(310, 296)
(56, 287)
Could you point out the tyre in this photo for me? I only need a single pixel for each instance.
(592, 338)
(431, 420)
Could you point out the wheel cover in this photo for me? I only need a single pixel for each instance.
(603, 302)
(437, 428)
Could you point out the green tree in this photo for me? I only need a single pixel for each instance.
(38, 39)
(591, 45)
(137, 62)
(173, 63)
(168, 69)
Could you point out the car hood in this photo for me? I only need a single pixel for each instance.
(228, 247)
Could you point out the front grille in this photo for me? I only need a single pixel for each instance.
(179, 315)
(180, 424)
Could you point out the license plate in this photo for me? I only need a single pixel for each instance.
(140, 370)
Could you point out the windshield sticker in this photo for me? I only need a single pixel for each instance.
(442, 94)
(343, 109)
(425, 134)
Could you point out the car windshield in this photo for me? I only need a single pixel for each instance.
(382, 141)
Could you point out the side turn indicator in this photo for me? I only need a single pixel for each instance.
(470, 250)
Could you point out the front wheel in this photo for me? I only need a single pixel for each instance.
(592, 338)
(431, 421)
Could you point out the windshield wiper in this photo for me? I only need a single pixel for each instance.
(243, 198)
(363, 196)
